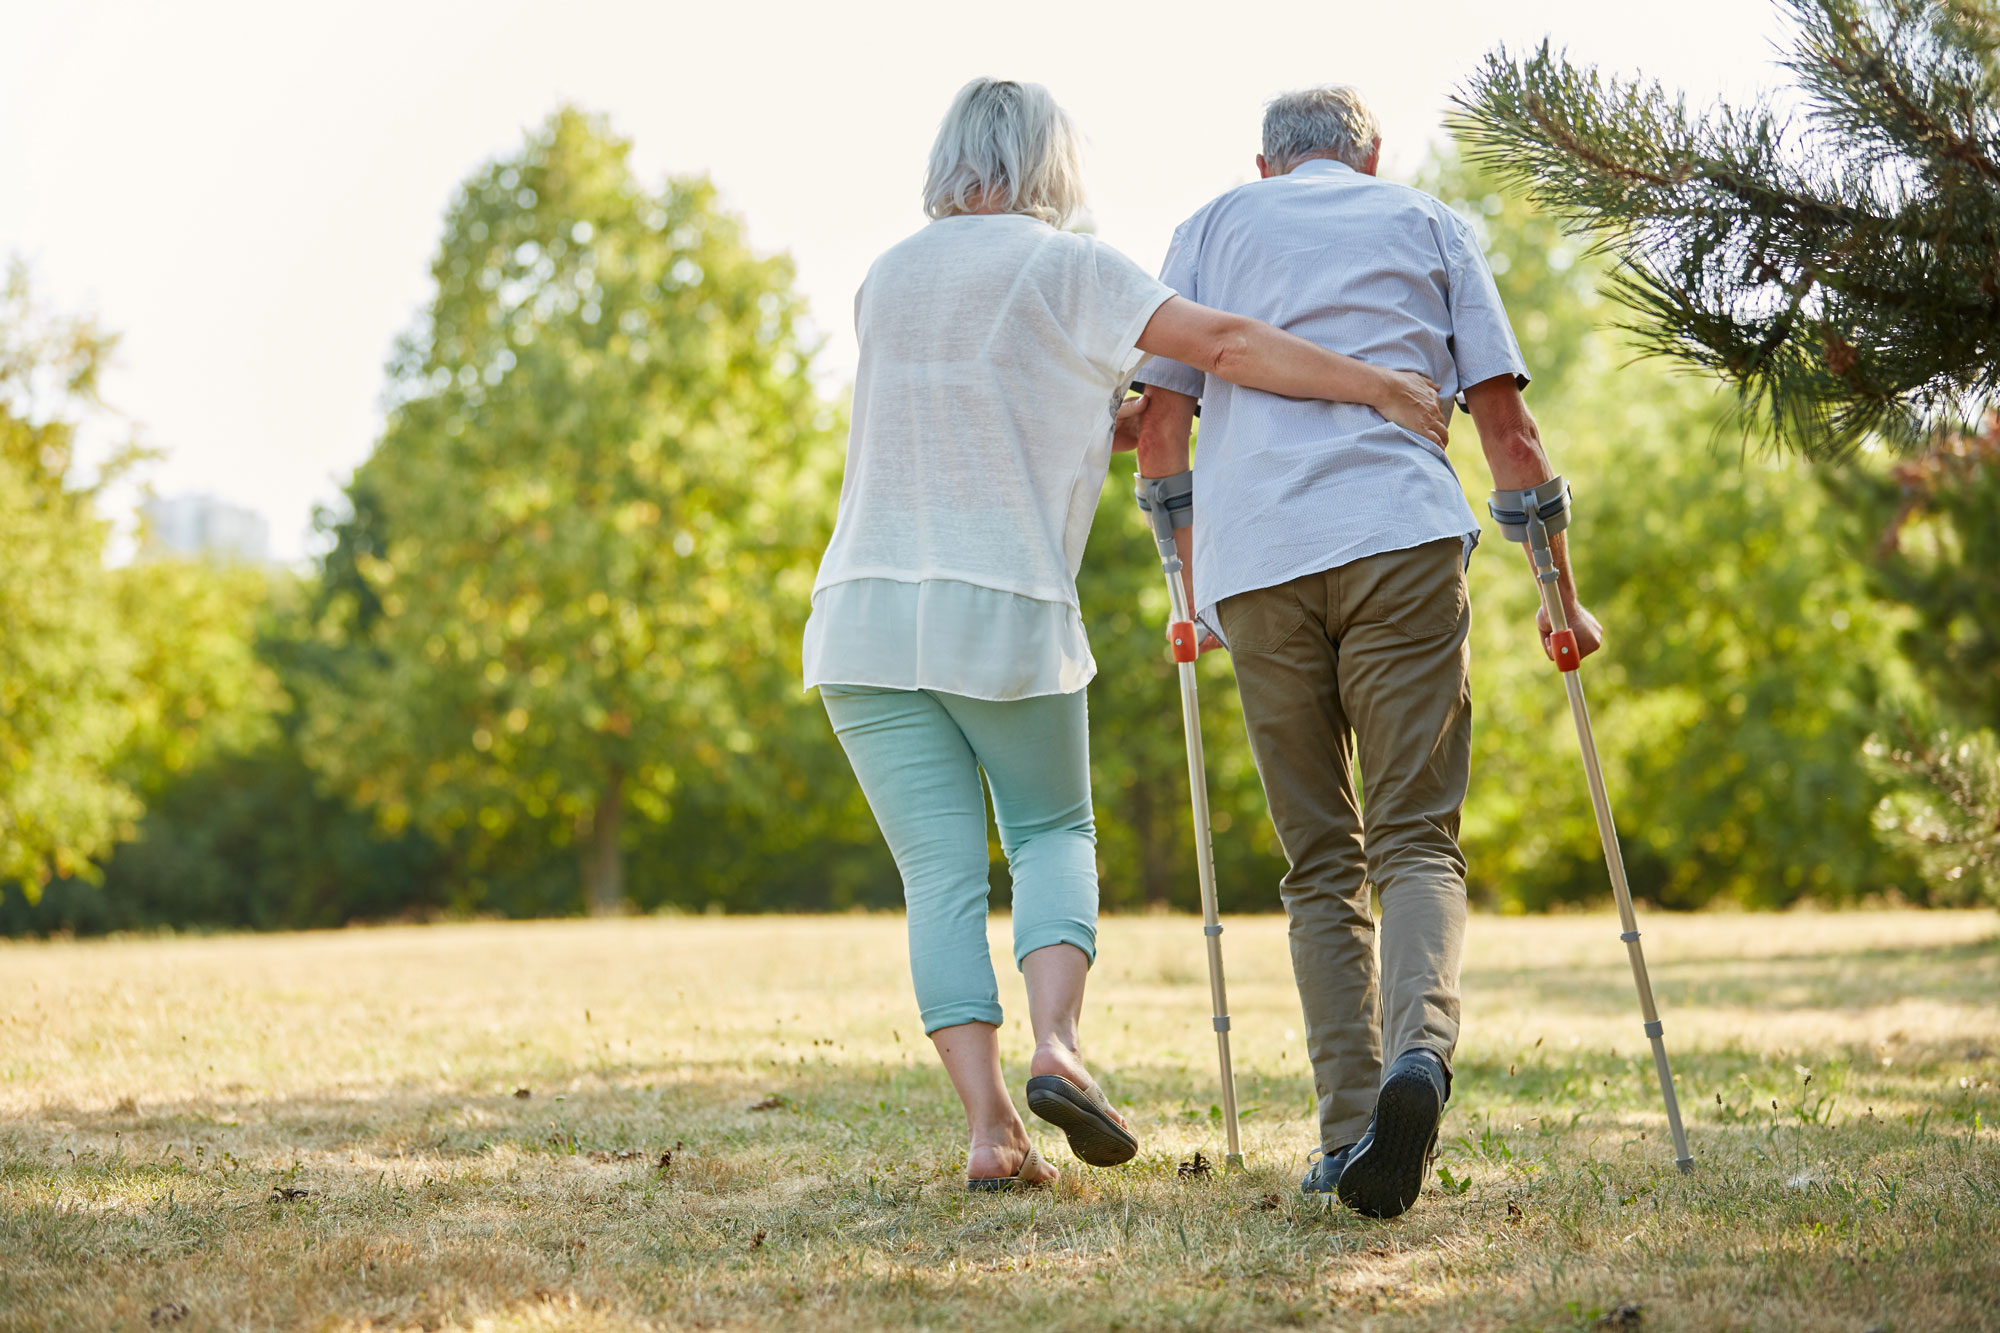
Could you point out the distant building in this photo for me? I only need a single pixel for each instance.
(205, 527)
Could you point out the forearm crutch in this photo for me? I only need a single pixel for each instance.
(1534, 516)
(1168, 503)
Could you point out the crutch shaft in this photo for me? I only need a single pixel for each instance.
(1218, 990)
(1543, 558)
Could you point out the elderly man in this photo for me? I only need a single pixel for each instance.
(1329, 553)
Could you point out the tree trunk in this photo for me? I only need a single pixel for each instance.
(604, 861)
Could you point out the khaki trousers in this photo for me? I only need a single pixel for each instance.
(1368, 657)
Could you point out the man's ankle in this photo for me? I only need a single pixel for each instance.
(1440, 1066)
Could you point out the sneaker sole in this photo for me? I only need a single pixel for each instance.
(1093, 1136)
(1386, 1178)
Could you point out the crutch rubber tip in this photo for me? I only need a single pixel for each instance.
(1234, 1162)
(1686, 1164)
(1185, 649)
(1562, 644)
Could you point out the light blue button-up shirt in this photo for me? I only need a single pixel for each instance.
(1286, 487)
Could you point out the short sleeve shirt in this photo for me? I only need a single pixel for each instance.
(993, 350)
(1389, 275)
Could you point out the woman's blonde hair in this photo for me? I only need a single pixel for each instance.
(1008, 147)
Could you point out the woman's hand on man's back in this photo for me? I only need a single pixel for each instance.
(1411, 401)
(1255, 355)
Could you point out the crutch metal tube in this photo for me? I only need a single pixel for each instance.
(1533, 516)
(1167, 503)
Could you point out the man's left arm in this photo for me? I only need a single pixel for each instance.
(1164, 427)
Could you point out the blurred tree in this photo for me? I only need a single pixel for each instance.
(1745, 654)
(1944, 807)
(1845, 279)
(236, 832)
(1930, 529)
(65, 667)
(200, 689)
(1138, 759)
(577, 559)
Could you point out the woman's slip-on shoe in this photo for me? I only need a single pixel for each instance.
(1095, 1135)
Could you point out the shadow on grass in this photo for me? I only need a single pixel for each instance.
(870, 1118)
(1789, 982)
(839, 1204)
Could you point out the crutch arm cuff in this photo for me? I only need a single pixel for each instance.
(1167, 503)
(1548, 504)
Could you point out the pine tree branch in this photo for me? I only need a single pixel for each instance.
(1846, 279)
(1853, 51)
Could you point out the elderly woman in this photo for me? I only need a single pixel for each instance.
(945, 638)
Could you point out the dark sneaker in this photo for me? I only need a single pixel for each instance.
(1385, 1172)
(1323, 1170)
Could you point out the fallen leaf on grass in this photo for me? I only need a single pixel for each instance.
(1267, 1204)
(522, 1094)
(1628, 1315)
(1197, 1169)
(1513, 1212)
(770, 1103)
(757, 1241)
(170, 1313)
(285, 1194)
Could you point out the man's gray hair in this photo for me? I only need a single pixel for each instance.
(1007, 147)
(1334, 121)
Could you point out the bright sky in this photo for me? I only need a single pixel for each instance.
(251, 192)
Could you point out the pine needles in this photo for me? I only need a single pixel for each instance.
(1841, 269)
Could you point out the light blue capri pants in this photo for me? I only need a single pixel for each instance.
(918, 755)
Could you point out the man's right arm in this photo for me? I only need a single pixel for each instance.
(1514, 454)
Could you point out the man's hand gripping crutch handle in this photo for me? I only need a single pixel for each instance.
(1168, 504)
(1569, 632)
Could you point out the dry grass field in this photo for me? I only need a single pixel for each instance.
(732, 1123)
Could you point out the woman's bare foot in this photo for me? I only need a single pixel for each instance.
(1052, 1057)
(1001, 1154)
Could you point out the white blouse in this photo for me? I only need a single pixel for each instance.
(993, 352)
(944, 635)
